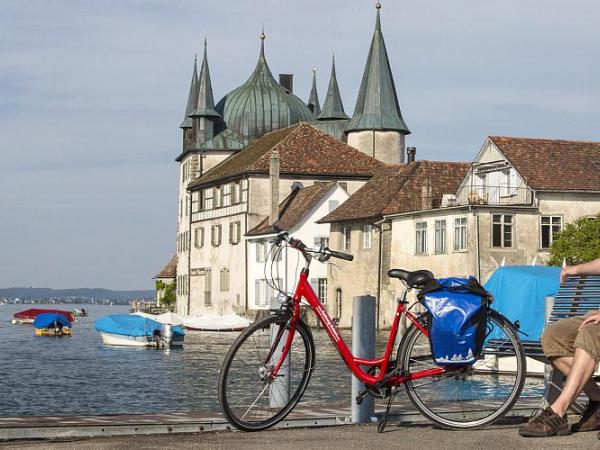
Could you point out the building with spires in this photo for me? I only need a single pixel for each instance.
(226, 185)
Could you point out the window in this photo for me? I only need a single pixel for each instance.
(322, 241)
(440, 236)
(207, 287)
(236, 195)
(226, 191)
(264, 294)
(215, 235)
(333, 204)
(217, 197)
(460, 233)
(235, 232)
(199, 237)
(502, 230)
(224, 284)
(421, 238)
(550, 226)
(180, 208)
(367, 236)
(208, 199)
(322, 290)
(347, 238)
(261, 251)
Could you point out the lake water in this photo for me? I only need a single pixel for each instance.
(79, 375)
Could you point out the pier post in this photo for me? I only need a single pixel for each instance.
(363, 346)
(279, 390)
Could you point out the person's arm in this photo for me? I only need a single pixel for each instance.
(588, 268)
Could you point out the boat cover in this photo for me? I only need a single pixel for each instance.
(132, 325)
(48, 320)
(228, 322)
(34, 312)
(520, 292)
(166, 318)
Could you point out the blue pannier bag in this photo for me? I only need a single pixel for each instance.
(457, 310)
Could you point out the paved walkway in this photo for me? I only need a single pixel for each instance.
(412, 437)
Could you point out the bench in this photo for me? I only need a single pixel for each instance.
(576, 297)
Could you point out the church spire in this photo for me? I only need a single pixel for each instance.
(205, 104)
(313, 99)
(192, 96)
(377, 106)
(333, 107)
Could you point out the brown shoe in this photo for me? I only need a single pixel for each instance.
(548, 423)
(590, 419)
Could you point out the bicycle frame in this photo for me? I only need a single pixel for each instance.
(305, 291)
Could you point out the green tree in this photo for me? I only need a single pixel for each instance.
(578, 242)
(168, 299)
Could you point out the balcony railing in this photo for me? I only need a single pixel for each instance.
(494, 195)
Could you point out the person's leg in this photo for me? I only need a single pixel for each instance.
(581, 370)
(591, 389)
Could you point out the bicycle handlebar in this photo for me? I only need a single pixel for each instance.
(324, 252)
(340, 255)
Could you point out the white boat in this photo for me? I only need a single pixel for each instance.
(229, 322)
(137, 331)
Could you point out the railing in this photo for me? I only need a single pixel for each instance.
(219, 212)
(494, 195)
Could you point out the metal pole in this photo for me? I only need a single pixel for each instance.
(548, 306)
(363, 346)
(279, 390)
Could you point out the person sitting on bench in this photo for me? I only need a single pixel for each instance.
(573, 346)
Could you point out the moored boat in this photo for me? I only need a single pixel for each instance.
(28, 316)
(228, 322)
(52, 324)
(137, 331)
(79, 312)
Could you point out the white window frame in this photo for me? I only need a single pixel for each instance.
(460, 234)
(346, 238)
(503, 224)
(216, 235)
(367, 240)
(421, 238)
(440, 236)
(551, 225)
(199, 237)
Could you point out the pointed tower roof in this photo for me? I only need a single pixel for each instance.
(377, 106)
(205, 104)
(193, 94)
(333, 108)
(313, 99)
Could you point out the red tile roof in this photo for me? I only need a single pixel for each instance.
(303, 150)
(398, 188)
(170, 270)
(294, 208)
(551, 164)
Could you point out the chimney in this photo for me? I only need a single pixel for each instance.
(286, 81)
(426, 195)
(274, 185)
(411, 154)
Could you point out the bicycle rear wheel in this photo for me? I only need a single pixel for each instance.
(472, 397)
(250, 399)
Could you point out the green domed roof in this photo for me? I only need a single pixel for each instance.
(261, 105)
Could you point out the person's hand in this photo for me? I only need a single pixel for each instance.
(566, 271)
(594, 318)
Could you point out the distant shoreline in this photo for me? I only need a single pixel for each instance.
(73, 295)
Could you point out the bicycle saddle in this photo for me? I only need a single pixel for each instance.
(416, 279)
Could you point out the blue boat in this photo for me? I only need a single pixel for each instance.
(52, 324)
(137, 331)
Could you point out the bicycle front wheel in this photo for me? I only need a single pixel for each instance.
(472, 397)
(250, 398)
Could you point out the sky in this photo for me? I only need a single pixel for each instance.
(92, 94)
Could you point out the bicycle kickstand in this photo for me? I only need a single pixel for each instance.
(383, 422)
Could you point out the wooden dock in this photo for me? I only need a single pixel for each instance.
(65, 427)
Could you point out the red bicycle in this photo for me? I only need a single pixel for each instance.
(268, 367)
